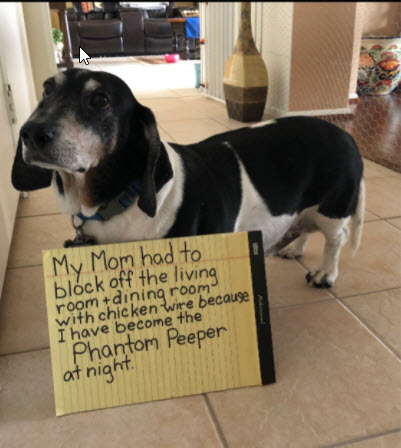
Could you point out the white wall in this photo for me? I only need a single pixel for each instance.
(40, 43)
(381, 18)
(16, 71)
(272, 31)
(16, 61)
(217, 22)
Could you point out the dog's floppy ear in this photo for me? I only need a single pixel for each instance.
(26, 177)
(147, 198)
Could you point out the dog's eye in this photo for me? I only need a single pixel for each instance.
(47, 88)
(99, 101)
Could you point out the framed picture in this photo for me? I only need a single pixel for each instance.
(98, 6)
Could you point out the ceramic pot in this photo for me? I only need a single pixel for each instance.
(58, 50)
(245, 75)
(379, 70)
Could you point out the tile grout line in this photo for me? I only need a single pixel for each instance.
(391, 217)
(25, 351)
(365, 326)
(350, 296)
(387, 220)
(26, 266)
(377, 218)
(225, 125)
(217, 426)
(42, 214)
(163, 121)
(361, 439)
(220, 123)
(38, 216)
(383, 176)
(333, 296)
(280, 307)
(299, 259)
(162, 128)
(367, 210)
(369, 330)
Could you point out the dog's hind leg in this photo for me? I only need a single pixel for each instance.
(336, 233)
(296, 248)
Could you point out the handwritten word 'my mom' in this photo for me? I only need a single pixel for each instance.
(100, 261)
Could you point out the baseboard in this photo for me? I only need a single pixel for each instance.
(319, 112)
(213, 98)
(274, 112)
(277, 113)
(354, 99)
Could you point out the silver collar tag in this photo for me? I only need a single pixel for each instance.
(80, 239)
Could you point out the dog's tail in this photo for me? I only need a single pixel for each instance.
(357, 219)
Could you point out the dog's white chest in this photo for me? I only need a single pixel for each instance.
(134, 224)
(255, 215)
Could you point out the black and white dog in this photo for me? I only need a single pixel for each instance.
(101, 150)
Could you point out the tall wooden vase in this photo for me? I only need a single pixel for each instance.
(245, 75)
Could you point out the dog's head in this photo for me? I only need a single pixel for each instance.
(90, 123)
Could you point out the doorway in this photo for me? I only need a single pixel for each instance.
(145, 69)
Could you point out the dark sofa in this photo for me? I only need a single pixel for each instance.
(121, 29)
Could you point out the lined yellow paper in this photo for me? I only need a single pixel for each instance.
(150, 320)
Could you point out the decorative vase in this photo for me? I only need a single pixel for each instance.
(245, 75)
(379, 70)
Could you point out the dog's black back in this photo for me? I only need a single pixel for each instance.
(294, 163)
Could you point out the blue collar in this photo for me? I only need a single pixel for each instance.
(116, 206)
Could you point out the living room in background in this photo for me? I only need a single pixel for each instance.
(124, 28)
(132, 39)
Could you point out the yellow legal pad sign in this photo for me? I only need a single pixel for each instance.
(143, 321)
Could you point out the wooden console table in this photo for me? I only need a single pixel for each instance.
(178, 27)
(61, 9)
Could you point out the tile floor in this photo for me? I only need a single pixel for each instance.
(337, 351)
(144, 77)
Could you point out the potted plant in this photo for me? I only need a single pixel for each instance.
(58, 44)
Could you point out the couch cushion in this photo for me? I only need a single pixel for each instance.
(157, 13)
(153, 9)
(110, 15)
(110, 7)
(157, 45)
(94, 15)
(103, 46)
(100, 29)
(158, 28)
(72, 15)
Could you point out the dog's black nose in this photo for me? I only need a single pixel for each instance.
(37, 135)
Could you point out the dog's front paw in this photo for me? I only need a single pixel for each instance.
(289, 252)
(319, 279)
